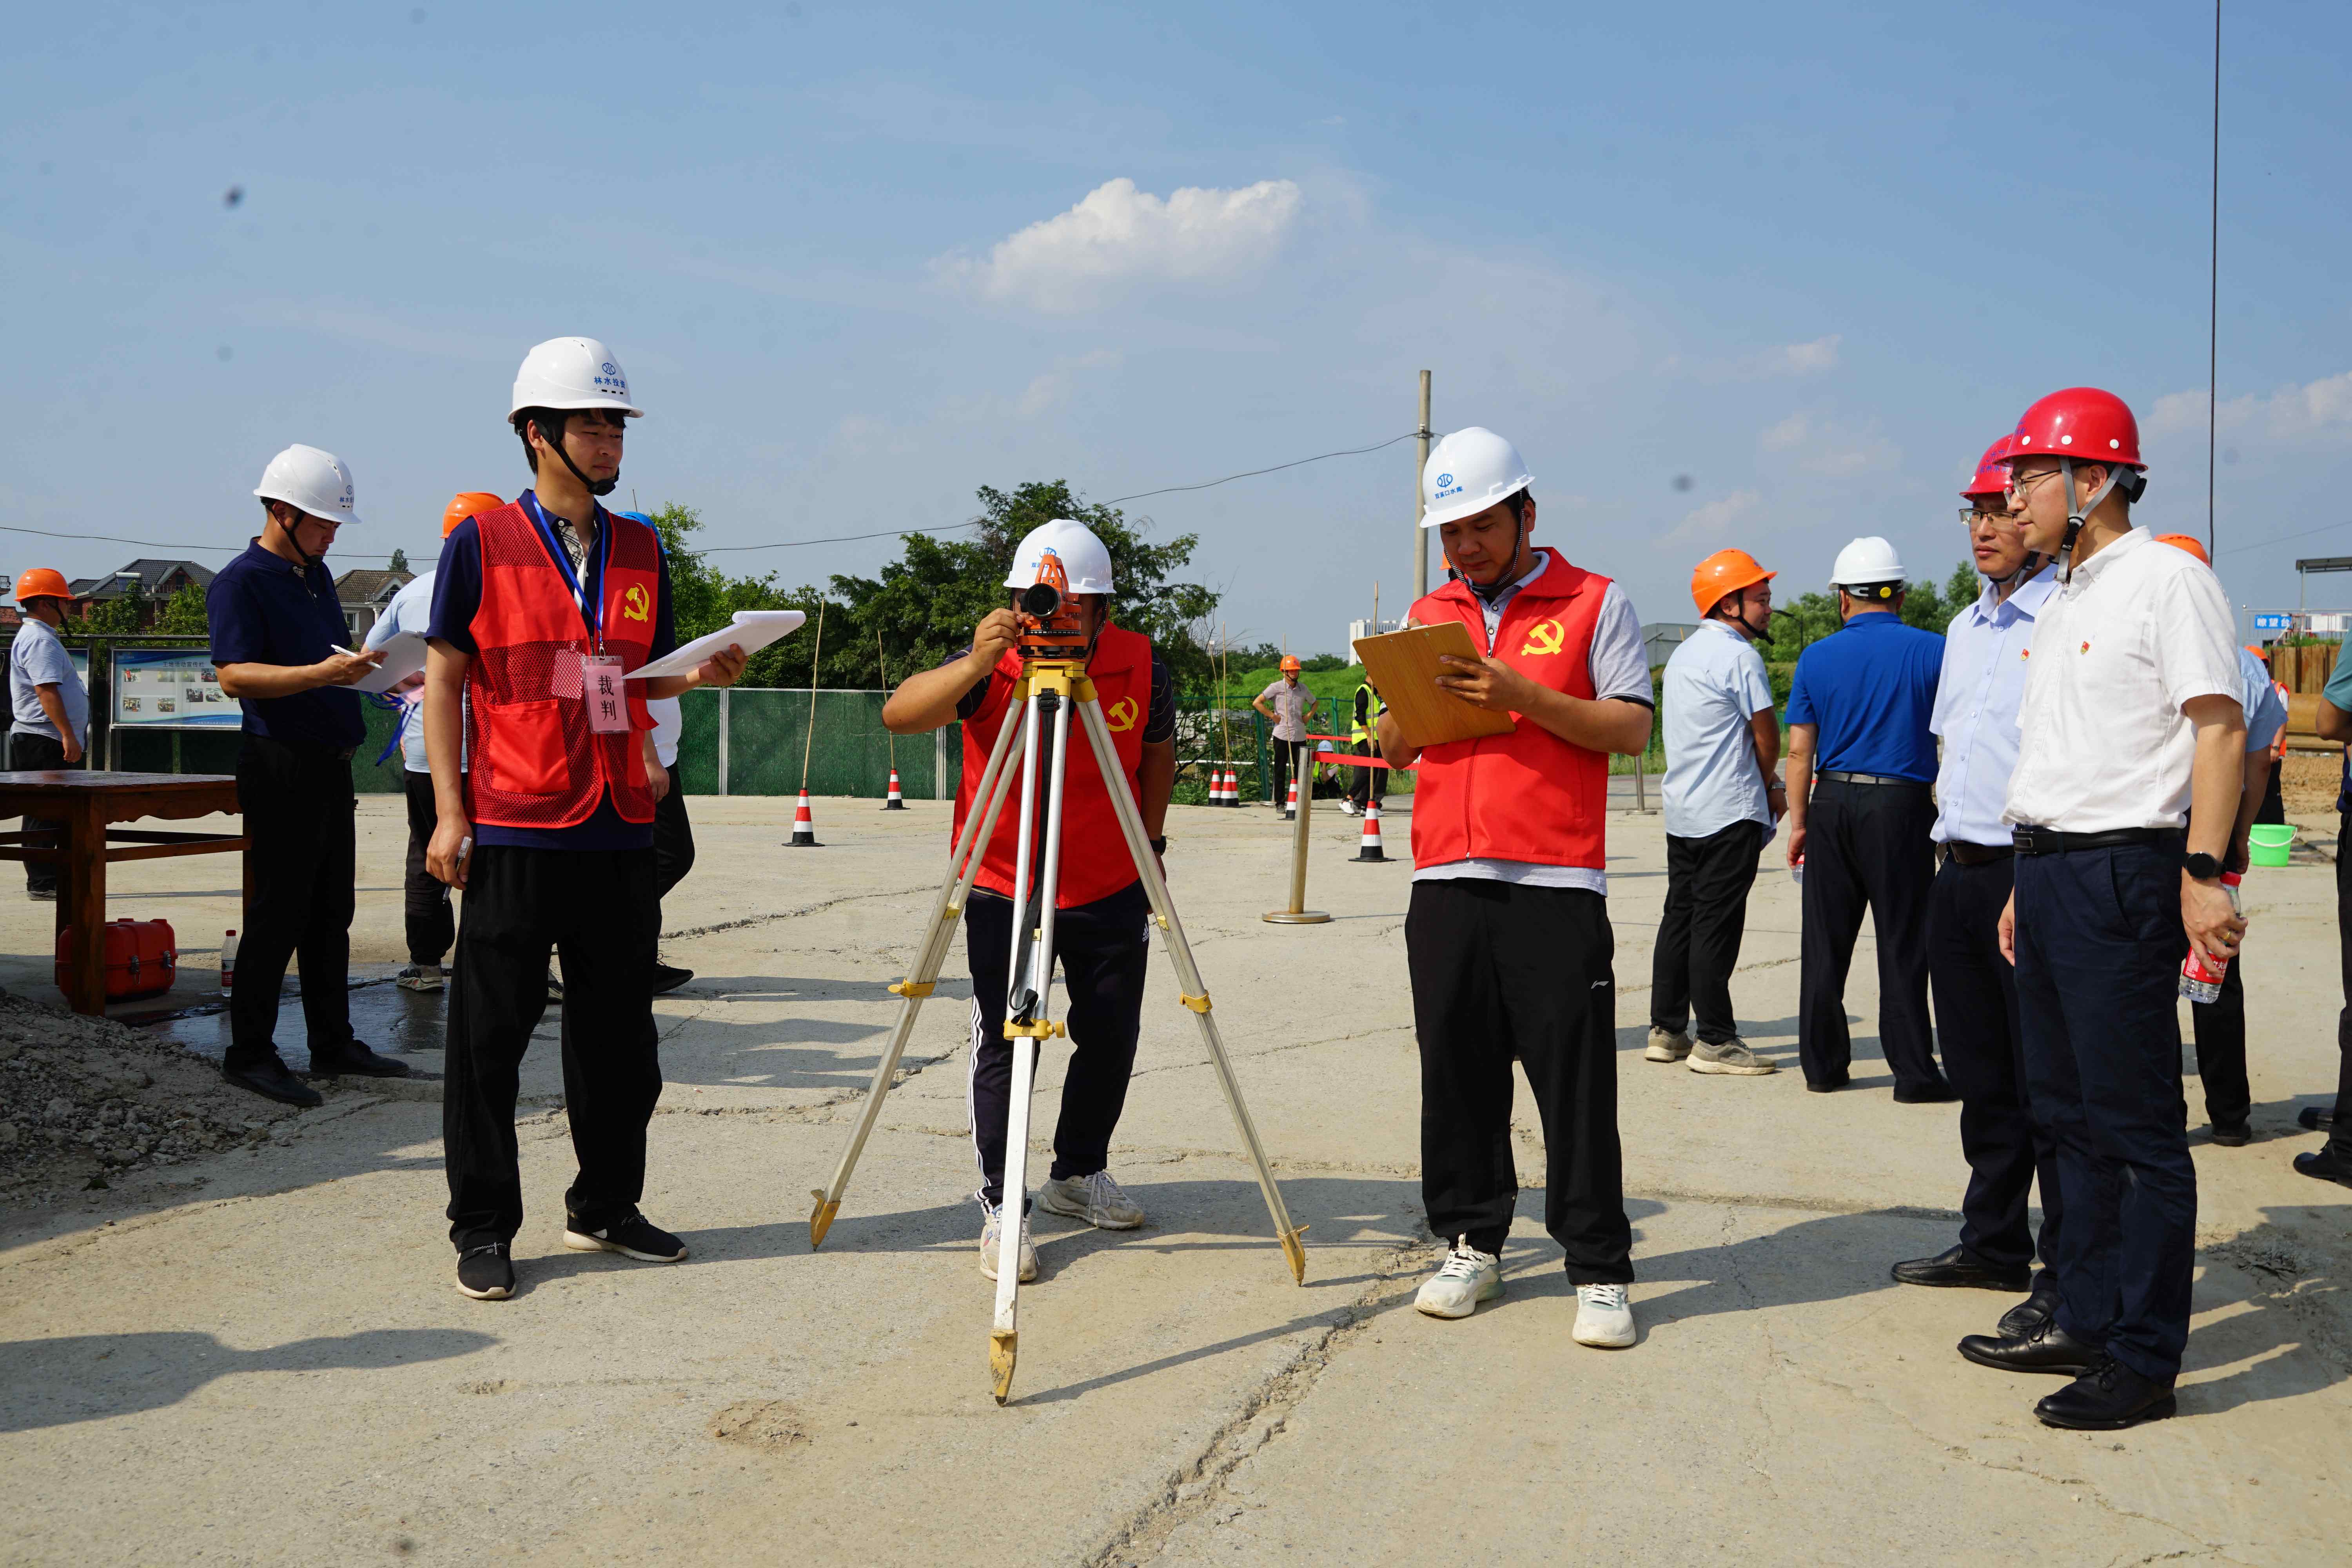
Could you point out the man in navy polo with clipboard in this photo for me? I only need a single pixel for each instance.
(540, 609)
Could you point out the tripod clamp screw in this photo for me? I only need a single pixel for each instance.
(1198, 1004)
(909, 988)
(1045, 1029)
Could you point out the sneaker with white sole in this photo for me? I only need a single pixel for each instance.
(1667, 1044)
(633, 1236)
(1604, 1318)
(486, 1272)
(1466, 1277)
(1100, 1201)
(1731, 1057)
(991, 1241)
(419, 977)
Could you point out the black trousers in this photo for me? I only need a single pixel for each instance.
(1867, 844)
(1369, 783)
(31, 753)
(1289, 757)
(2273, 807)
(1104, 948)
(597, 909)
(1501, 971)
(2099, 943)
(2007, 1149)
(2340, 1137)
(425, 910)
(673, 838)
(301, 862)
(1707, 882)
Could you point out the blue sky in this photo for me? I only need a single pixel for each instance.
(859, 261)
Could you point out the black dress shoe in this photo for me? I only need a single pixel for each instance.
(1958, 1269)
(269, 1079)
(2022, 1320)
(2048, 1349)
(355, 1058)
(670, 977)
(2233, 1134)
(2315, 1118)
(1938, 1093)
(1830, 1088)
(2108, 1397)
(2326, 1164)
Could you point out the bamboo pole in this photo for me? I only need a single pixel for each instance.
(881, 670)
(809, 750)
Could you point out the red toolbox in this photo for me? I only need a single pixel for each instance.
(143, 957)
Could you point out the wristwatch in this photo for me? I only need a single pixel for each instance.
(2200, 868)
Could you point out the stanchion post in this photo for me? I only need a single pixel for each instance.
(1298, 914)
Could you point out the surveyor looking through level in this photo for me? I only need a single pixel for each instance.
(1508, 937)
(540, 607)
(1100, 935)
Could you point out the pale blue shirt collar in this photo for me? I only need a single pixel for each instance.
(1977, 704)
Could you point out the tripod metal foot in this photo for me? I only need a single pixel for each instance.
(1003, 1350)
(821, 1217)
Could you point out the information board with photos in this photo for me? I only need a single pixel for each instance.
(171, 688)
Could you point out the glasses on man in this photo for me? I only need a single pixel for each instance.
(1972, 517)
(2021, 485)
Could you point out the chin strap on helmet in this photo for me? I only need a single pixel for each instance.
(293, 543)
(594, 487)
(2131, 480)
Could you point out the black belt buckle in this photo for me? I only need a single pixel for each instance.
(2023, 840)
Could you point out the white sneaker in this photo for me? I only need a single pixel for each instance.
(1097, 1199)
(1604, 1317)
(1347, 807)
(1466, 1277)
(1667, 1046)
(992, 1240)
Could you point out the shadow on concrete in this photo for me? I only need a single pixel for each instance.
(89, 1377)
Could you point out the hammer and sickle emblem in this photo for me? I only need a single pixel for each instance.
(637, 604)
(1121, 717)
(1544, 637)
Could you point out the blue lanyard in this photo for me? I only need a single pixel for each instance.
(592, 610)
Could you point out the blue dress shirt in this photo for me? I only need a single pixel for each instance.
(1985, 660)
(1869, 688)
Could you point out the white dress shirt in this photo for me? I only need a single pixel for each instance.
(1713, 685)
(1977, 701)
(2141, 630)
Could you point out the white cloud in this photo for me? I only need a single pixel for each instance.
(2318, 408)
(1805, 359)
(1048, 389)
(1824, 447)
(1120, 236)
(1711, 521)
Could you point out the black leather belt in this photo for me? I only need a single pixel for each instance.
(1872, 779)
(1975, 854)
(2050, 841)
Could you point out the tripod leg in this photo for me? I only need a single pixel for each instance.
(1188, 977)
(962, 866)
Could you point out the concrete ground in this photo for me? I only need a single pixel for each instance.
(257, 1356)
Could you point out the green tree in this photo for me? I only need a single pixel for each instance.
(183, 613)
(1809, 617)
(399, 559)
(119, 615)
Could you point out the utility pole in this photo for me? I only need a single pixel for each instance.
(1421, 538)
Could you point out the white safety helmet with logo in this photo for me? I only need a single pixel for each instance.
(572, 372)
(1084, 560)
(1868, 569)
(309, 480)
(1468, 471)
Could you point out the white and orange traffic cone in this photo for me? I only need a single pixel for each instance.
(1229, 788)
(1371, 848)
(1291, 809)
(896, 801)
(804, 827)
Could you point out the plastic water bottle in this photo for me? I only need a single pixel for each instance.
(2201, 981)
(1797, 871)
(228, 962)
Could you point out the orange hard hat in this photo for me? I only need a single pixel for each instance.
(1725, 572)
(467, 503)
(41, 582)
(2257, 652)
(2186, 542)
(1290, 665)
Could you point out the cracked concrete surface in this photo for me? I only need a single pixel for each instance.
(261, 1359)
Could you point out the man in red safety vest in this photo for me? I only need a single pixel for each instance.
(1507, 937)
(540, 609)
(1100, 931)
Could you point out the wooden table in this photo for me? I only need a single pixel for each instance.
(86, 803)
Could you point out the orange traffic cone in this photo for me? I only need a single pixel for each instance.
(1229, 788)
(1291, 809)
(1371, 848)
(804, 827)
(896, 801)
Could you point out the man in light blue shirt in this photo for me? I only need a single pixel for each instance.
(49, 709)
(1723, 742)
(1986, 655)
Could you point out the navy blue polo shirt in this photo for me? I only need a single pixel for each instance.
(265, 609)
(1871, 688)
(457, 595)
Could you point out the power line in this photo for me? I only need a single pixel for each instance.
(1229, 478)
(2282, 539)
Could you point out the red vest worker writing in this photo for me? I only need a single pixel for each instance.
(1507, 937)
(540, 609)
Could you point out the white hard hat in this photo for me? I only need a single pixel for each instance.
(572, 372)
(1084, 560)
(1469, 471)
(1867, 560)
(310, 481)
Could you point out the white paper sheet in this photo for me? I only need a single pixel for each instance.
(751, 631)
(403, 655)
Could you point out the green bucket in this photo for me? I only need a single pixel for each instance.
(2267, 842)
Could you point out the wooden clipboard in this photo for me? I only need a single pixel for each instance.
(1403, 666)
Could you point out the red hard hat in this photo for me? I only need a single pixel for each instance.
(1992, 471)
(2082, 423)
